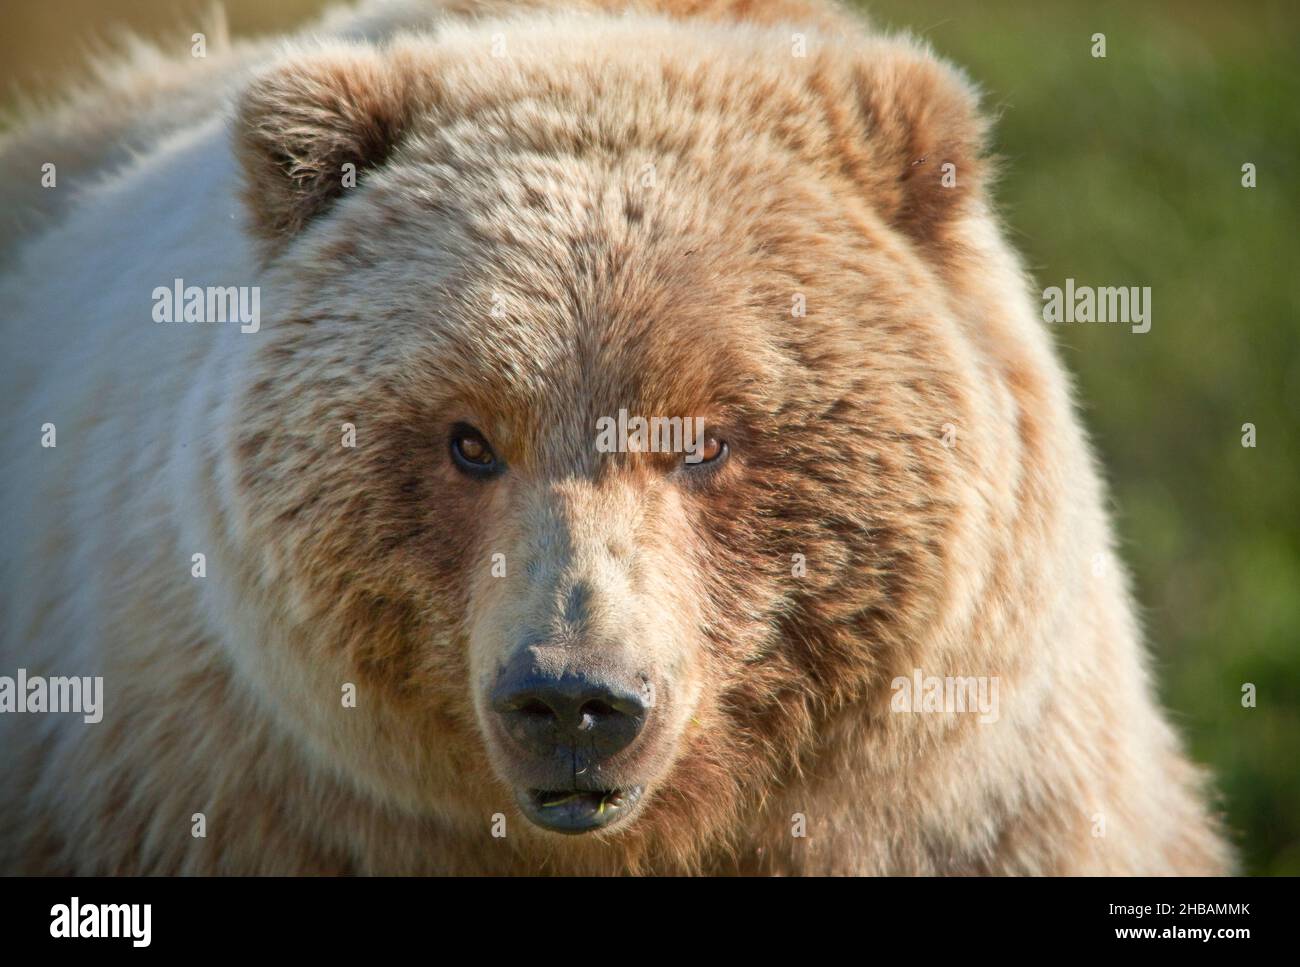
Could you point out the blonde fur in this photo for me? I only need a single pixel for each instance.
(524, 176)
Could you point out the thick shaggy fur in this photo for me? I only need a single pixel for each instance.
(644, 188)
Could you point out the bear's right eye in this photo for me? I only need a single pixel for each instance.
(471, 452)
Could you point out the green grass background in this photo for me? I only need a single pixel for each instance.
(1122, 171)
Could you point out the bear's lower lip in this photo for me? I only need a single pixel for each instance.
(574, 811)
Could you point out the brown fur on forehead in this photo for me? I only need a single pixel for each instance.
(753, 126)
(554, 318)
(543, 281)
(658, 361)
(607, 294)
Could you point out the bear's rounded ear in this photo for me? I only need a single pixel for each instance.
(925, 138)
(300, 124)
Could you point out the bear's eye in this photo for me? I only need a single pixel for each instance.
(472, 453)
(712, 451)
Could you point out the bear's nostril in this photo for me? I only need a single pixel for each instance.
(534, 706)
(597, 709)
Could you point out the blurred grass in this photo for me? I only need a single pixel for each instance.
(1122, 171)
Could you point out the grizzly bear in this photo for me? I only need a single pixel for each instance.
(311, 342)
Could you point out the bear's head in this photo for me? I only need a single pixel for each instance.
(485, 270)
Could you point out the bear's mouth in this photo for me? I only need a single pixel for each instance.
(575, 811)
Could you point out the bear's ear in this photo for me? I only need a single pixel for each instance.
(924, 137)
(300, 124)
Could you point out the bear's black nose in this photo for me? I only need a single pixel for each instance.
(571, 712)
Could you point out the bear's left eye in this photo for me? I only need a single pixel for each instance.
(472, 453)
(713, 453)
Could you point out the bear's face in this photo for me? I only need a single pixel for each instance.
(630, 643)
